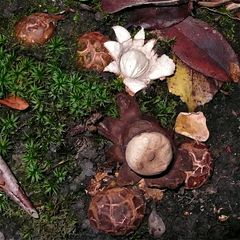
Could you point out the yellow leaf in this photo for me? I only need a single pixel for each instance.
(193, 87)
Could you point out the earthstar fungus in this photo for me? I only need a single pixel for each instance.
(136, 61)
(91, 52)
(117, 210)
(202, 163)
(138, 140)
(37, 28)
(190, 164)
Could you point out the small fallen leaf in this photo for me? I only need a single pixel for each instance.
(10, 186)
(101, 181)
(15, 102)
(193, 87)
(154, 194)
(192, 125)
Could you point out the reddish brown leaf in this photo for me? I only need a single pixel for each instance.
(204, 49)
(10, 186)
(14, 102)
(112, 6)
(158, 17)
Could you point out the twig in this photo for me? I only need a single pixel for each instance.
(220, 13)
(55, 166)
(213, 4)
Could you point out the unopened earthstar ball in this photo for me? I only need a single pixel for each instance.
(91, 53)
(117, 211)
(37, 28)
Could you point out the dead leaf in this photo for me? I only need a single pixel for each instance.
(101, 181)
(204, 49)
(15, 102)
(192, 125)
(10, 186)
(193, 87)
(154, 194)
(158, 17)
(112, 6)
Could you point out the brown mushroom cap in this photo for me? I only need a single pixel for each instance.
(149, 153)
(117, 211)
(36, 28)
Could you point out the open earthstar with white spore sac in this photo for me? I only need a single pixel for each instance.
(158, 162)
(136, 61)
(146, 158)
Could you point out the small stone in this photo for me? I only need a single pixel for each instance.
(2, 236)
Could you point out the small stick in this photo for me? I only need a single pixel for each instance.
(213, 4)
(221, 13)
(232, 6)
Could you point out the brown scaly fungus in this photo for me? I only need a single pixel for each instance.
(37, 28)
(91, 53)
(145, 151)
(117, 211)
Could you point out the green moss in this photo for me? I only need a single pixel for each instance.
(160, 103)
(57, 97)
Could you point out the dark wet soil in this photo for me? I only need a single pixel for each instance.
(209, 213)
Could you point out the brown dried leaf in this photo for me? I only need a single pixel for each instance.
(100, 182)
(10, 186)
(155, 194)
(192, 125)
(15, 102)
